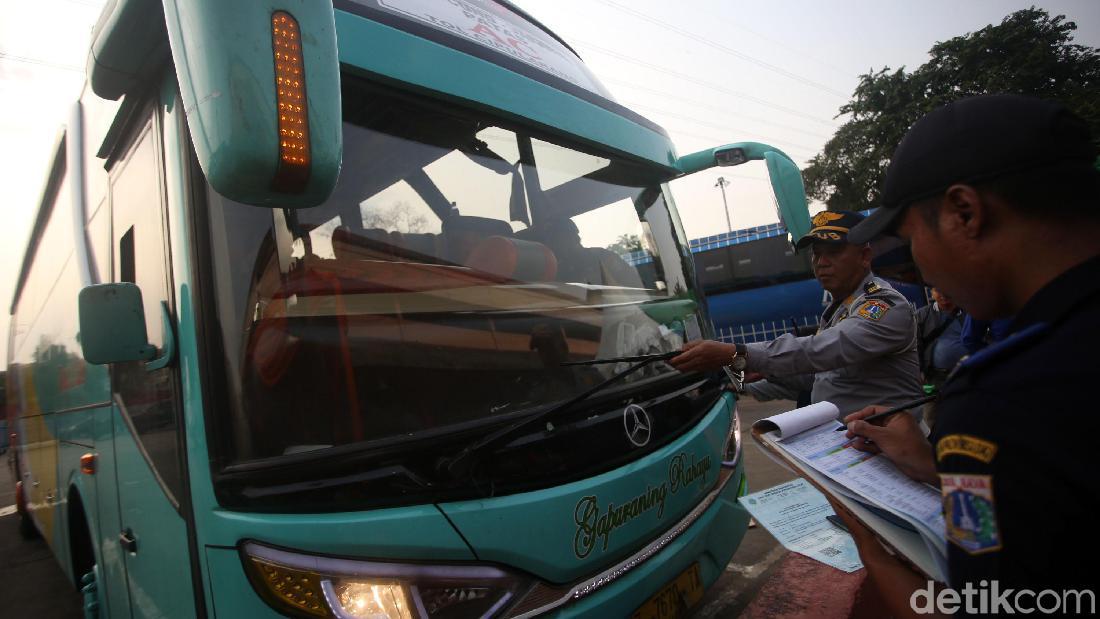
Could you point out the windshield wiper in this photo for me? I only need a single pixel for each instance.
(657, 357)
(463, 463)
(371, 475)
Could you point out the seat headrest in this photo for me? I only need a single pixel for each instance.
(517, 260)
(480, 225)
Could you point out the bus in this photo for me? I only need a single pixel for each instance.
(317, 318)
(757, 286)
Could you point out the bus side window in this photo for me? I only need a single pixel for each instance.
(149, 398)
(126, 257)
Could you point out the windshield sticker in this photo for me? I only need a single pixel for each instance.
(691, 328)
(498, 28)
(595, 525)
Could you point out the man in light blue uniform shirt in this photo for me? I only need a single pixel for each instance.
(865, 349)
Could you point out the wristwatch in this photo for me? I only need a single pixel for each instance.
(737, 361)
(735, 369)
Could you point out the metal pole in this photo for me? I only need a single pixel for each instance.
(721, 184)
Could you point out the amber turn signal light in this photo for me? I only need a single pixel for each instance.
(87, 464)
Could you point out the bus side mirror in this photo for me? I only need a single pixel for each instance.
(786, 179)
(790, 194)
(112, 324)
(260, 83)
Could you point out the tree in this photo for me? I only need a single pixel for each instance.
(400, 216)
(625, 244)
(1030, 53)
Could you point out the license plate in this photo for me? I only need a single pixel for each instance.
(675, 598)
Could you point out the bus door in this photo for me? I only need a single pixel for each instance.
(151, 532)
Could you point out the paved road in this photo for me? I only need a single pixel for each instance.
(759, 552)
(33, 585)
(31, 582)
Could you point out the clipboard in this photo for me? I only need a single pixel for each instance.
(908, 545)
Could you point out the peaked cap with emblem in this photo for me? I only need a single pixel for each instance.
(829, 227)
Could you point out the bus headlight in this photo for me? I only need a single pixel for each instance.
(313, 586)
(356, 598)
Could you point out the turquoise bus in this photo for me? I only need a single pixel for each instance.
(298, 327)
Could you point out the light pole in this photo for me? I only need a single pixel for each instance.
(721, 184)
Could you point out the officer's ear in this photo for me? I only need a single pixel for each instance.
(963, 212)
(865, 255)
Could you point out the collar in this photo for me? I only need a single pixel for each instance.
(860, 289)
(1061, 295)
(868, 285)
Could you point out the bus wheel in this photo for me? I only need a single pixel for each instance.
(89, 589)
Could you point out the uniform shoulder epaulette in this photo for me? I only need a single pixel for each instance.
(876, 291)
(882, 297)
(999, 350)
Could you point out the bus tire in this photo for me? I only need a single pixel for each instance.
(89, 590)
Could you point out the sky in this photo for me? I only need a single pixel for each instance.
(711, 72)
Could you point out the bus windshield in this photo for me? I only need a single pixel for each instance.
(458, 263)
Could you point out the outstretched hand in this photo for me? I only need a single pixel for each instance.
(703, 356)
(898, 438)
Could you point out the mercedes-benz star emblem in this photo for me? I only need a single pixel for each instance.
(637, 424)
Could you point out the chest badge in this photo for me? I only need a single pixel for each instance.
(970, 513)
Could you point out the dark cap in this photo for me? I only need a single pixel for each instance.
(830, 227)
(975, 140)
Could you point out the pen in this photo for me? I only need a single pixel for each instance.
(837, 522)
(897, 409)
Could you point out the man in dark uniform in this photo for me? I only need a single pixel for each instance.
(999, 198)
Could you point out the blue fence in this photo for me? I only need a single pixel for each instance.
(765, 331)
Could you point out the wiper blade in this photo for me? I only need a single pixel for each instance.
(376, 474)
(657, 357)
(462, 464)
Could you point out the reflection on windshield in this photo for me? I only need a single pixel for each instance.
(441, 285)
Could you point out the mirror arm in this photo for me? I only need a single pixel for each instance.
(169, 342)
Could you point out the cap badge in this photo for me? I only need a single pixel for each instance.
(824, 217)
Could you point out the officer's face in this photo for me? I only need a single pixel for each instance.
(942, 300)
(949, 256)
(840, 267)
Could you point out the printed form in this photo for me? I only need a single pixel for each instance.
(870, 475)
(794, 513)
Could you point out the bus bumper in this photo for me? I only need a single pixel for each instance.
(709, 541)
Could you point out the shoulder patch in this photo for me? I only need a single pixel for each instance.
(966, 445)
(873, 310)
(871, 288)
(970, 513)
